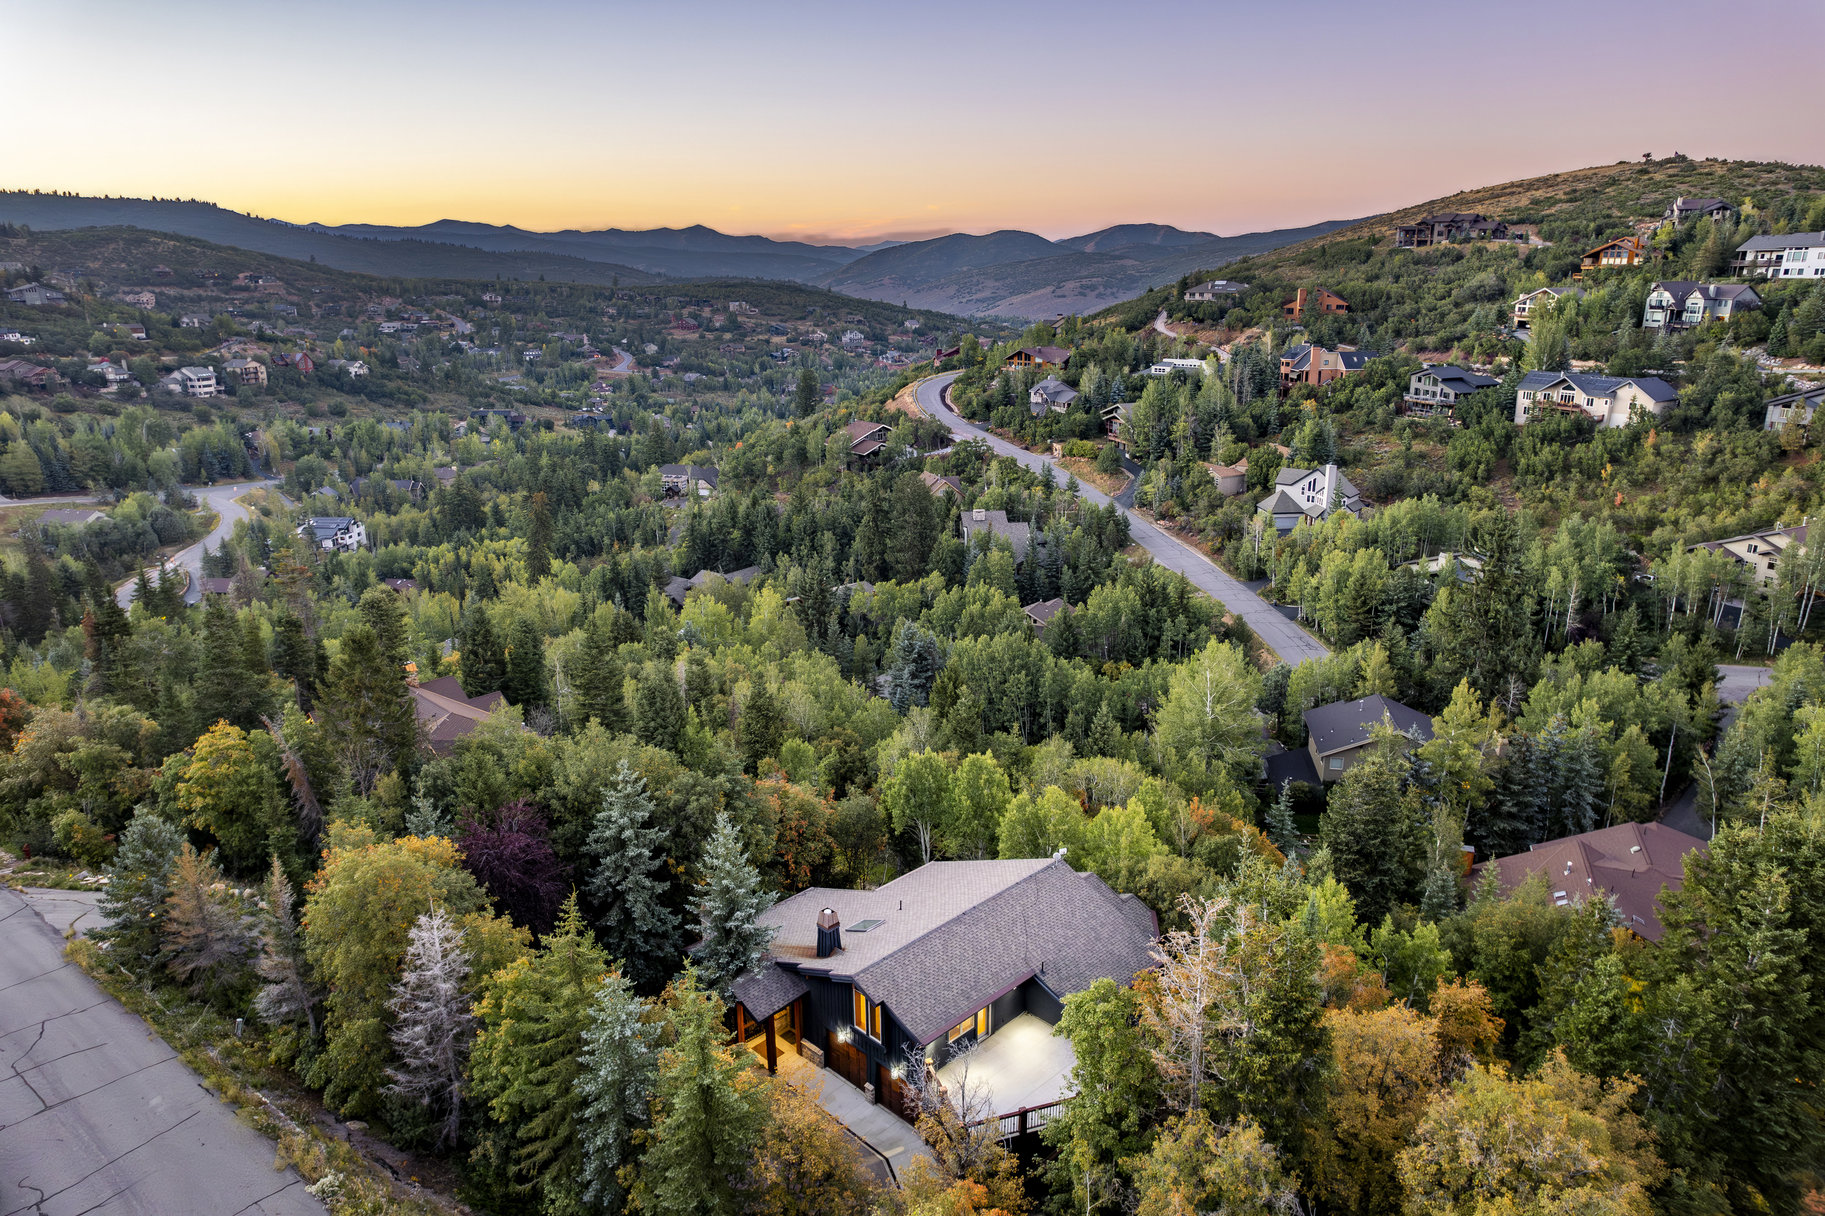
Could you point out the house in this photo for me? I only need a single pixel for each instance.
(9, 334)
(334, 532)
(1682, 209)
(1115, 420)
(1230, 478)
(989, 524)
(34, 294)
(491, 298)
(69, 517)
(1044, 612)
(299, 361)
(196, 381)
(353, 368)
(1165, 367)
(513, 418)
(408, 486)
(681, 478)
(446, 713)
(1680, 305)
(1623, 251)
(245, 371)
(1792, 255)
(27, 375)
(1438, 387)
(1339, 734)
(1327, 303)
(866, 439)
(1759, 551)
(677, 588)
(216, 586)
(1540, 297)
(1610, 400)
(949, 956)
(1306, 364)
(113, 375)
(1632, 864)
(1792, 407)
(195, 320)
(1038, 356)
(853, 337)
(1449, 226)
(139, 299)
(1309, 494)
(940, 486)
(446, 475)
(400, 585)
(1050, 395)
(1215, 289)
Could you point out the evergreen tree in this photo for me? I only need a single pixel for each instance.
(627, 883)
(658, 707)
(139, 882)
(433, 1026)
(730, 900)
(807, 396)
(209, 941)
(381, 608)
(483, 657)
(619, 1064)
(1279, 820)
(285, 994)
(1377, 850)
(913, 660)
(1780, 345)
(523, 682)
(597, 682)
(761, 727)
(369, 723)
(538, 539)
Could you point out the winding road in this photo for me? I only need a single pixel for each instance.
(1283, 637)
(220, 499)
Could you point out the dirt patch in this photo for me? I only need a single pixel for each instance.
(1085, 471)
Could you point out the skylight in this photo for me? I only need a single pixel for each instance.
(863, 926)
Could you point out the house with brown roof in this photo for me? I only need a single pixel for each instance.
(951, 956)
(1230, 478)
(1038, 356)
(446, 713)
(867, 439)
(1319, 300)
(1045, 612)
(1631, 864)
(940, 486)
(1623, 251)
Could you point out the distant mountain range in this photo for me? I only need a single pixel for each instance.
(1006, 274)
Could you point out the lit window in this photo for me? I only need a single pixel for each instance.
(861, 1010)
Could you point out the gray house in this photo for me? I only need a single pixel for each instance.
(1683, 305)
(1437, 388)
(1309, 494)
(1337, 735)
(986, 523)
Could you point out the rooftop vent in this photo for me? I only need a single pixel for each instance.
(829, 933)
(979, 514)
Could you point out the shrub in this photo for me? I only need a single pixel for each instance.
(79, 838)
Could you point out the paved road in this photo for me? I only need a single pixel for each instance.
(98, 1117)
(1286, 639)
(624, 365)
(1735, 683)
(48, 500)
(220, 499)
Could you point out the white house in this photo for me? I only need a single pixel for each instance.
(351, 367)
(1165, 367)
(1791, 255)
(196, 381)
(334, 532)
(1540, 297)
(1610, 400)
(1760, 551)
(1309, 494)
(1683, 305)
(1798, 407)
(194, 320)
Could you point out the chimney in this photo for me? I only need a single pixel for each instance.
(979, 514)
(1299, 305)
(829, 933)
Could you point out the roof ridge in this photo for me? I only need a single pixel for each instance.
(956, 915)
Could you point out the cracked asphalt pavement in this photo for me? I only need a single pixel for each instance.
(98, 1117)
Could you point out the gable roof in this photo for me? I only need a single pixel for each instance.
(446, 713)
(1653, 387)
(1342, 725)
(1785, 240)
(1682, 290)
(956, 934)
(1630, 863)
(1460, 379)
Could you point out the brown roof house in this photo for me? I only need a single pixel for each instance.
(953, 955)
(1631, 863)
(1044, 612)
(1038, 356)
(1327, 303)
(446, 714)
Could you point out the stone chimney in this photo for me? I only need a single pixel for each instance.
(829, 933)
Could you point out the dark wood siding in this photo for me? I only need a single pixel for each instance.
(1007, 1007)
(1041, 1003)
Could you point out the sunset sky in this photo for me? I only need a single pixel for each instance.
(860, 121)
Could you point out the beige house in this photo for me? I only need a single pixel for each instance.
(1540, 297)
(1609, 400)
(1760, 551)
(1337, 736)
(1230, 478)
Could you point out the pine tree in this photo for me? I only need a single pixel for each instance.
(761, 727)
(433, 1026)
(484, 658)
(912, 664)
(707, 1113)
(627, 885)
(538, 539)
(523, 682)
(208, 940)
(286, 994)
(1279, 820)
(658, 707)
(807, 395)
(369, 721)
(730, 900)
(1779, 344)
(619, 1063)
(381, 607)
(597, 680)
(139, 882)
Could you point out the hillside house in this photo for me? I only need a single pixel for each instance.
(1540, 297)
(27, 375)
(1044, 613)
(139, 299)
(1792, 407)
(985, 525)
(334, 533)
(1632, 864)
(69, 517)
(1050, 395)
(1165, 367)
(1437, 388)
(1339, 735)
(36, 295)
(353, 368)
(113, 375)
(9, 334)
(446, 713)
(513, 418)
(1610, 400)
(194, 320)
(953, 955)
(446, 475)
(1677, 305)
(1760, 551)
(1449, 226)
(298, 361)
(1300, 495)
(1038, 356)
(676, 589)
(867, 440)
(1792, 255)
(1306, 364)
(1230, 478)
(1682, 209)
(245, 371)
(1611, 255)
(1318, 299)
(195, 381)
(1214, 290)
(1115, 421)
(687, 479)
(940, 486)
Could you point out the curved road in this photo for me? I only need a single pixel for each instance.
(220, 499)
(1284, 638)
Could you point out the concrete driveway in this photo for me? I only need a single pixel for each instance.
(1735, 683)
(1283, 637)
(98, 1117)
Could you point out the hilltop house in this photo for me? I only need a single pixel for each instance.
(952, 955)
(1759, 551)
(687, 478)
(1438, 387)
(246, 371)
(1681, 305)
(1327, 303)
(1306, 364)
(1309, 494)
(1623, 251)
(1610, 400)
(1796, 407)
(1632, 864)
(1449, 226)
(1038, 356)
(1215, 289)
(1050, 395)
(1682, 209)
(980, 522)
(336, 533)
(1792, 255)
(1540, 297)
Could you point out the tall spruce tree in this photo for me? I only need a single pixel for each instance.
(597, 680)
(538, 538)
(369, 723)
(523, 682)
(433, 1026)
(730, 900)
(484, 657)
(619, 1064)
(139, 881)
(627, 884)
(658, 707)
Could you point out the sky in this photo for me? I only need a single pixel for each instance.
(866, 121)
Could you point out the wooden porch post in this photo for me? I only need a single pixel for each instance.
(772, 1052)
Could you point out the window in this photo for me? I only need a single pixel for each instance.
(1335, 764)
(978, 1022)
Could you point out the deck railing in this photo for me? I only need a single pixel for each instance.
(1015, 1124)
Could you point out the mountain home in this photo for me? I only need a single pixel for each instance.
(1793, 255)
(1610, 400)
(334, 532)
(1326, 303)
(1759, 551)
(981, 522)
(952, 955)
(1305, 364)
(1623, 251)
(1796, 407)
(194, 381)
(1214, 290)
(34, 294)
(1438, 388)
(1680, 305)
(1050, 395)
(1309, 494)
(31, 375)
(245, 371)
(113, 375)
(1682, 209)
(867, 440)
(1632, 864)
(687, 478)
(1338, 735)
(446, 713)
(1165, 367)
(1038, 356)
(1540, 297)
(1449, 226)
(1044, 612)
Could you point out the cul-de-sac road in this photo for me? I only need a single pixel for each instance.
(1291, 643)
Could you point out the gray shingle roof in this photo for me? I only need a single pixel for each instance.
(1786, 240)
(1601, 386)
(1345, 724)
(955, 934)
(768, 989)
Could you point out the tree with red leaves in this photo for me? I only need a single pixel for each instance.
(509, 853)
